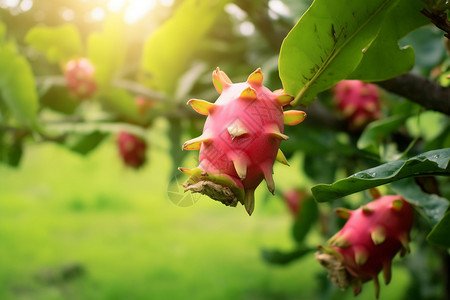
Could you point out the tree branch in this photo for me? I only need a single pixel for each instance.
(421, 90)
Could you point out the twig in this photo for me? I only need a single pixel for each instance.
(129, 85)
(421, 90)
(438, 18)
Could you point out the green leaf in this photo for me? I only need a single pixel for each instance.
(327, 44)
(427, 125)
(321, 168)
(120, 102)
(11, 149)
(17, 85)
(432, 205)
(283, 258)
(106, 49)
(168, 50)
(376, 131)
(429, 163)
(306, 218)
(58, 98)
(59, 44)
(84, 143)
(440, 233)
(384, 59)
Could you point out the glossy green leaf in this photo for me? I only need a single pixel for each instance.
(432, 206)
(168, 50)
(106, 49)
(306, 218)
(327, 44)
(59, 43)
(284, 257)
(376, 131)
(384, 59)
(440, 233)
(17, 85)
(429, 163)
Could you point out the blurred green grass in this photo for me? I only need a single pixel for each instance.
(61, 209)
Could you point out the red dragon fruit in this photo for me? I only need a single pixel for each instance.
(132, 149)
(358, 101)
(80, 78)
(240, 140)
(371, 237)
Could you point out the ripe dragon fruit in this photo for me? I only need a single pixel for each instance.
(371, 237)
(240, 140)
(132, 149)
(80, 78)
(358, 101)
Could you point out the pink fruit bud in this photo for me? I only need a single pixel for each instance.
(357, 101)
(144, 105)
(294, 199)
(371, 237)
(80, 78)
(240, 140)
(132, 149)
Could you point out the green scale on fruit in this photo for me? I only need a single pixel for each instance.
(369, 240)
(240, 140)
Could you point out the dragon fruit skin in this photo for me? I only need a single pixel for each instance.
(132, 149)
(240, 139)
(371, 237)
(358, 101)
(80, 79)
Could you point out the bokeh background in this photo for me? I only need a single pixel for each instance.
(77, 222)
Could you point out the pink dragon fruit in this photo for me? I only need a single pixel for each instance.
(132, 149)
(294, 199)
(80, 78)
(358, 101)
(240, 140)
(371, 237)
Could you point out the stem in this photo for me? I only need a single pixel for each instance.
(128, 85)
(421, 90)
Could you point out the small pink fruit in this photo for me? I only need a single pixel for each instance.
(80, 78)
(357, 101)
(144, 105)
(294, 199)
(240, 140)
(132, 149)
(371, 237)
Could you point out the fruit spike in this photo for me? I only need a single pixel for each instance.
(220, 80)
(201, 106)
(240, 140)
(369, 240)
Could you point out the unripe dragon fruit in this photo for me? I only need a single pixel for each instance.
(80, 78)
(369, 240)
(132, 149)
(358, 101)
(240, 140)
